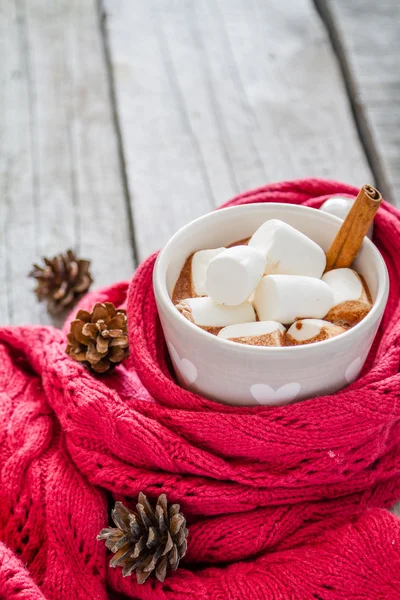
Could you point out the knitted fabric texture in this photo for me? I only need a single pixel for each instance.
(282, 502)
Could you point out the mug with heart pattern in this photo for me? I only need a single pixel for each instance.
(238, 374)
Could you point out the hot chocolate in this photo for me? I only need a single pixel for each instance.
(269, 290)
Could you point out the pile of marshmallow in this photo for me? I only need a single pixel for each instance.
(272, 292)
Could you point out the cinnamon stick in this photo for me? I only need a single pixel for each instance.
(350, 236)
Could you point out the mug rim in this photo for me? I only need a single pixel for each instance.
(163, 298)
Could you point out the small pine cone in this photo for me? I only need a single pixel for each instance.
(147, 540)
(99, 339)
(62, 280)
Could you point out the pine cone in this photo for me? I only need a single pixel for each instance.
(99, 339)
(62, 280)
(147, 540)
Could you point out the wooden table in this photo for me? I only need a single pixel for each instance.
(121, 121)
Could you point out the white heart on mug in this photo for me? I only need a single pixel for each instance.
(353, 370)
(265, 394)
(184, 366)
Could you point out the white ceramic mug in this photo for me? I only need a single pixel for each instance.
(237, 374)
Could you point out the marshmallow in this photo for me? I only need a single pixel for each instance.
(351, 299)
(339, 207)
(260, 333)
(309, 331)
(200, 262)
(285, 298)
(233, 275)
(206, 313)
(287, 250)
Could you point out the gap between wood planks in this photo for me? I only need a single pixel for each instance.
(375, 158)
(121, 156)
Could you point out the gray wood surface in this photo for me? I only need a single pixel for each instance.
(60, 181)
(214, 97)
(366, 34)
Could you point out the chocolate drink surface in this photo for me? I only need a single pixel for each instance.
(292, 304)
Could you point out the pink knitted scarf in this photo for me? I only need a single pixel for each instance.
(282, 503)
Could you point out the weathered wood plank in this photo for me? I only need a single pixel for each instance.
(60, 173)
(218, 96)
(16, 188)
(168, 179)
(366, 35)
